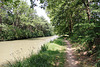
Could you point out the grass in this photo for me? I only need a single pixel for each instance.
(51, 54)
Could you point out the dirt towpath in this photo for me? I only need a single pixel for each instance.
(18, 49)
(70, 57)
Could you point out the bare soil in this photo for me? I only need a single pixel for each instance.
(70, 56)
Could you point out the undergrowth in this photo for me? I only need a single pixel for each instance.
(88, 56)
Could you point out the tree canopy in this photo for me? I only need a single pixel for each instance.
(80, 19)
(19, 21)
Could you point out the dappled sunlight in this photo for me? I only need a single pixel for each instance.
(70, 55)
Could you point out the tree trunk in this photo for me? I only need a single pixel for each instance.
(0, 23)
(87, 9)
(71, 24)
(70, 30)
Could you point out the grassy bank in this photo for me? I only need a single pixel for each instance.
(51, 54)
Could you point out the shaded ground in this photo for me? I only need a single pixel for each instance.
(71, 60)
(11, 50)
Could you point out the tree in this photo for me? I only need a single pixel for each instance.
(20, 21)
(74, 17)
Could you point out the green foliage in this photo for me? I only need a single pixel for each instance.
(88, 35)
(80, 19)
(20, 21)
(44, 48)
(13, 33)
(59, 42)
(97, 64)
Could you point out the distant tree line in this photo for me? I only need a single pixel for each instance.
(18, 21)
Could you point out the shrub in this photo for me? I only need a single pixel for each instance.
(43, 48)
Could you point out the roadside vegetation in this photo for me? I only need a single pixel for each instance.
(51, 54)
(85, 56)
